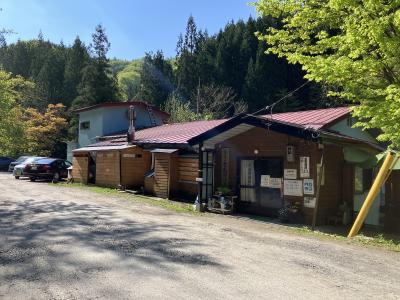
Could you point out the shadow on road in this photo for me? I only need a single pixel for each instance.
(41, 239)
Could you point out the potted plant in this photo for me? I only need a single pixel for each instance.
(223, 192)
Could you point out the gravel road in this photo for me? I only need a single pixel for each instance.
(66, 243)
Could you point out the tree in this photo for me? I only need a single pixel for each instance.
(155, 79)
(97, 84)
(11, 125)
(77, 58)
(350, 45)
(179, 111)
(213, 102)
(44, 131)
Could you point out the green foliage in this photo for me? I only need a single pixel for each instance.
(129, 79)
(155, 79)
(350, 45)
(178, 110)
(11, 125)
(236, 59)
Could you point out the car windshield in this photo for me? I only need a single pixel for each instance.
(32, 159)
(21, 159)
(45, 161)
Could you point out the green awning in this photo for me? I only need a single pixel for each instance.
(367, 160)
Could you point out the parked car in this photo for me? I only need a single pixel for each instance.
(5, 162)
(48, 168)
(20, 169)
(19, 160)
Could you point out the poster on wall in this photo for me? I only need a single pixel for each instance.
(308, 186)
(270, 182)
(290, 153)
(304, 166)
(264, 182)
(293, 188)
(290, 174)
(309, 202)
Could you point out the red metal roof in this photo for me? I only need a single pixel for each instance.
(180, 133)
(177, 133)
(316, 119)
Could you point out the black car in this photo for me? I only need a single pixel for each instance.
(48, 168)
(5, 162)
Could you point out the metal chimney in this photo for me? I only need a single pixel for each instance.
(131, 130)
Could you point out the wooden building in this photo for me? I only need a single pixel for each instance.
(268, 162)
(272, 163)
(111, 166)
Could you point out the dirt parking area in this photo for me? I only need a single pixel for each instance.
(65, 243)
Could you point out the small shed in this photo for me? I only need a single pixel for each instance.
(111, 166)
(173, 174)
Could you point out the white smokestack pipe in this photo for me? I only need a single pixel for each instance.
(132, 119)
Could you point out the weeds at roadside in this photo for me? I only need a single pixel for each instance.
(164, 203)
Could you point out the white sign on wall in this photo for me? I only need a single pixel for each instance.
(290, 153)
(271, 182)
(264, 182)
(309, 202)
(304, 166)
(290, 174)
(308, 186)
(293, 188)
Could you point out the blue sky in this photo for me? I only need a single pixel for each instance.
(133, 27)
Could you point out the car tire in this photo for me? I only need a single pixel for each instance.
(16, 177)
(56, 177)
(32, 179)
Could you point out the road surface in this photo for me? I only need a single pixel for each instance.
(68, 243)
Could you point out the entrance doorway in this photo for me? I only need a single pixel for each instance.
(92, 167)
(259, 192)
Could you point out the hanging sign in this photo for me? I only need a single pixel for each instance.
(293, 188)
(290, 174)
(308, 186)
(304, 166)
(309, 202)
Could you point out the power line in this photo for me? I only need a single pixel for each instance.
(271, 107)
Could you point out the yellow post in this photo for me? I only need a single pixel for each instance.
(379, 181)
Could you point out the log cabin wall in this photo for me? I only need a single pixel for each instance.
(161, 174)
(187, 172)
(108, 168)
(135, 162)
(271, 144)
(392, 203)
(332, 196)
(80, 167)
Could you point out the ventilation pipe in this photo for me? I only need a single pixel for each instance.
(132, 119)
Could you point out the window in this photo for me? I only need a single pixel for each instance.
(85, 125)
(362, 180)
(350, 121)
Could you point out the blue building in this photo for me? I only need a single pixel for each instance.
(109, 119)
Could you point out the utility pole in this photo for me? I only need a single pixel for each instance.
(198, 98)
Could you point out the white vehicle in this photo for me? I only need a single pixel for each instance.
(19, 169)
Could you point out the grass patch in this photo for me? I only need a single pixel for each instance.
(380, 240)
(164, 203)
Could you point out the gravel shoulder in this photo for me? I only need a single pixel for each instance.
(63, 243)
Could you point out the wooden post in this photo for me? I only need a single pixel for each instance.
(200, 173)
(383, 174)
(319, 180)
